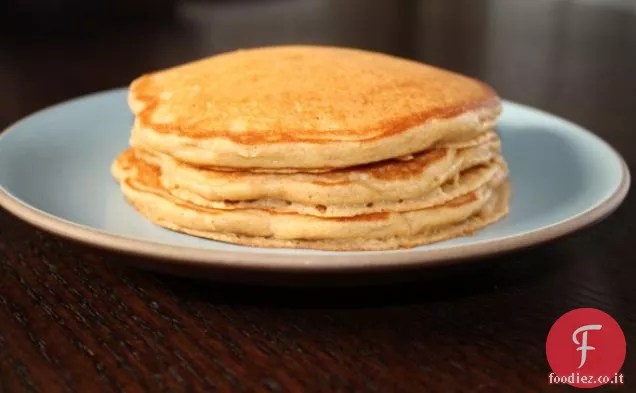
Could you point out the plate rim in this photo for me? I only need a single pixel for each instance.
(340, 262)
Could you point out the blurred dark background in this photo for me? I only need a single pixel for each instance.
(568, 56)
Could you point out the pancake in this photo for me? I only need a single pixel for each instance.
(305, 108)
(320, 198)
(388, 181)
(468, 181)
(140, 183)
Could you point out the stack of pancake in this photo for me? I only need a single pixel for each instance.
(314, 147)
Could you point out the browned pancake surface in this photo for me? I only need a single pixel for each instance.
(301, 94)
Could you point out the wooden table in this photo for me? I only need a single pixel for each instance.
(75, 319)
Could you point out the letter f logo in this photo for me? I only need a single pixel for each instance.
(584, 347)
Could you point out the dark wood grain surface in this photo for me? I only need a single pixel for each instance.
(76, 319)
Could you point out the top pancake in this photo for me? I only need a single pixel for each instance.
(305, 107)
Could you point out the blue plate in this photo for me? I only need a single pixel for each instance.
(55, 174)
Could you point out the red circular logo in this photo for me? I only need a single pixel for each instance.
(586, 349)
